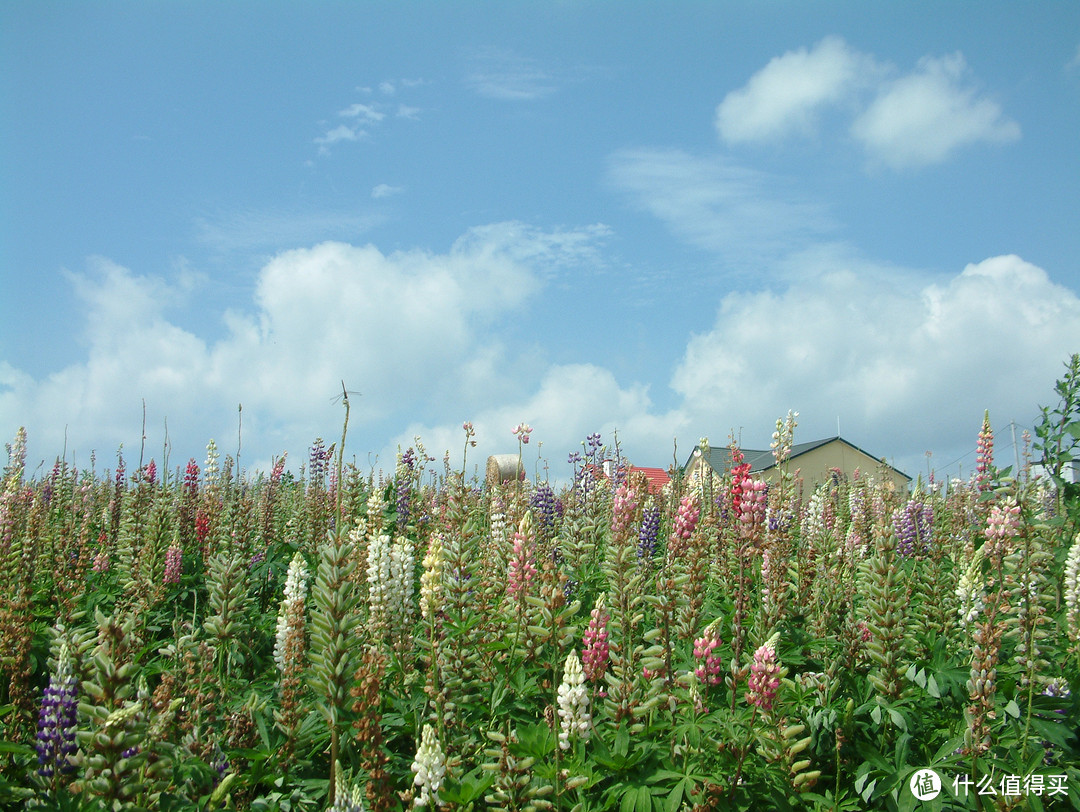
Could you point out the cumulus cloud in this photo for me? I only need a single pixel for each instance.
(785, 96)
(901, 120)
(910, 364)
(415, 331)
(570, 402)
(922, 118)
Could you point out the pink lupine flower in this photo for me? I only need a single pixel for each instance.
(594, 656)
(706, 651)
(101, 559)
(764, 679)
(276, 472)
(173, 561)
(752, 504)
(623, 509)
(522, 432)
(521, 569)
(1002, 524)
(687, 517)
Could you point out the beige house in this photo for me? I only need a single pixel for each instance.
(814, 462)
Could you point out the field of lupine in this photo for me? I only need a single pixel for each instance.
(337, 639)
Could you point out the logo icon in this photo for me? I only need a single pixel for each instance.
(925, 784)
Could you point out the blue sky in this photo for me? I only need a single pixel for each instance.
(670, 220)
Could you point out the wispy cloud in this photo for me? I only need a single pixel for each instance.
(386, 190)
(901, 120)
(359, 116)
(504, 75)
(342, 132)
(272, 230)
(743, 215)
(362, 111)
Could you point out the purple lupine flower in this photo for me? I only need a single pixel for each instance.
(57, 720)
(649, 532)
(403, 487)
(913, 525)
(544, 508)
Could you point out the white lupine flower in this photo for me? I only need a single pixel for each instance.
(390, 582)
(430, 768)
(431, 578)
(573, 703)
(1072, 589)
(970, 590)
(295, 590)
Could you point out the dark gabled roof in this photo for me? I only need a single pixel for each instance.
(719, 459)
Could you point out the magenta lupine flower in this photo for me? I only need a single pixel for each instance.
(984, 459)
(150, 472)
(595, 652)
(764, 679)
(522, 432)
(173, 560)
(706, 650)
(57, 720)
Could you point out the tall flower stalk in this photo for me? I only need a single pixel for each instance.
(333, 622)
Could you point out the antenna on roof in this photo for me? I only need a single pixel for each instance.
(838, 425)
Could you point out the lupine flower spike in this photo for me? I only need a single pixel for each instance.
(573, 703)
(430, 768)
(764, 675)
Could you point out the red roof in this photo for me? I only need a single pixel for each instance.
(657, 477)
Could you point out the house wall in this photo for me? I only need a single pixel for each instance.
(814, 466)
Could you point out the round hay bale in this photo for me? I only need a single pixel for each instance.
(503, 468)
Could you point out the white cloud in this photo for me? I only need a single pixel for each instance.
(342, 132)
(784, 97)
(362, 111)
(915, 119)
(411, 113)
(415, 331)
(923, 117)
(910, 365)
(570, 402)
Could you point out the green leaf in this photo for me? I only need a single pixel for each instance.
(644, 800)
(898, 719)
(932, 687)
(1013, 709)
